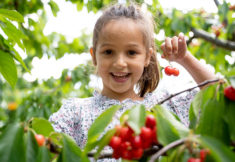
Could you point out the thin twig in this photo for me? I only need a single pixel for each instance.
(226, 44)
(189, 89)
(190, 40)
(166, 148)
(103, 155)
(172, 145)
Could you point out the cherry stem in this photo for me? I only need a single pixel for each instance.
(189, 89)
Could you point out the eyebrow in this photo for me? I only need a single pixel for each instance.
(129, 45)
(106, 44)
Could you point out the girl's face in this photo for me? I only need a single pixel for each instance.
(120, 58)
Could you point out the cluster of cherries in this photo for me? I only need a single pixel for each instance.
(169, 70)
(229, 92)
(127, 145)
(203, 153)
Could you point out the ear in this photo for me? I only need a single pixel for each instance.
(148, 57)
(93, 56)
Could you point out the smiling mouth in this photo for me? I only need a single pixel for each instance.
(120, 77)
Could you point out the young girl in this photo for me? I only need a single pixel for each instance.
(124, 55)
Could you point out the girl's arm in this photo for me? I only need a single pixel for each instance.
(175, 49)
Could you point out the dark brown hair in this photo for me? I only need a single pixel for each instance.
(151, 74)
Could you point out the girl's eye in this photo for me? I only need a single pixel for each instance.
(108, 52)
(131, 52)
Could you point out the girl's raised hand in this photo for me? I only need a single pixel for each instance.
(175, 48)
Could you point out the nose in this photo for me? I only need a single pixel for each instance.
(120, 61)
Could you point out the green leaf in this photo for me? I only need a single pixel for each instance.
(194, 109)
(211, 120)
(18, 58)
(136, 118)
(218, 150)
(42, 126)
(13, 33)
(71, 152)
(31, 147)
(8, 68)
(99, 126)
(230, 117)
(43, 155)
(5, 45)
(56, 138)
(11, 15)
(169, 127)
(54, 7)
(12, 148)
(80, 5)
(231, 72)
(223, 11)
(104, 141)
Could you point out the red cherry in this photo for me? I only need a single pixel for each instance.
(146, 134)
(229, 92)
(126, 145)
(154, 135)
(150, 121)
(137, 153)
(146, 144)
(116, 153)
(40, 139)
(136, 141)
(203, 154)
(126, 154)
(176, 72)
(118, 129)
(194, 160)
(115, 142)
(169, 70)
(126, 133)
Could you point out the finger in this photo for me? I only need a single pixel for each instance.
(163, 47)
(163, 50)
(168, 46)
(182, 46)
(174, 42)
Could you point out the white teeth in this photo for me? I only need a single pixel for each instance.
(120, 75)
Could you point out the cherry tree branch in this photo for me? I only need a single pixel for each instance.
(189, 89)
(217, 3)
(166, 148)
(170, 146)
(103, 155)
(226, 44)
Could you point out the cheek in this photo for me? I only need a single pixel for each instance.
(102, 68)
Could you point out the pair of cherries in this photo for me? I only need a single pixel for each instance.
(169, 70)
